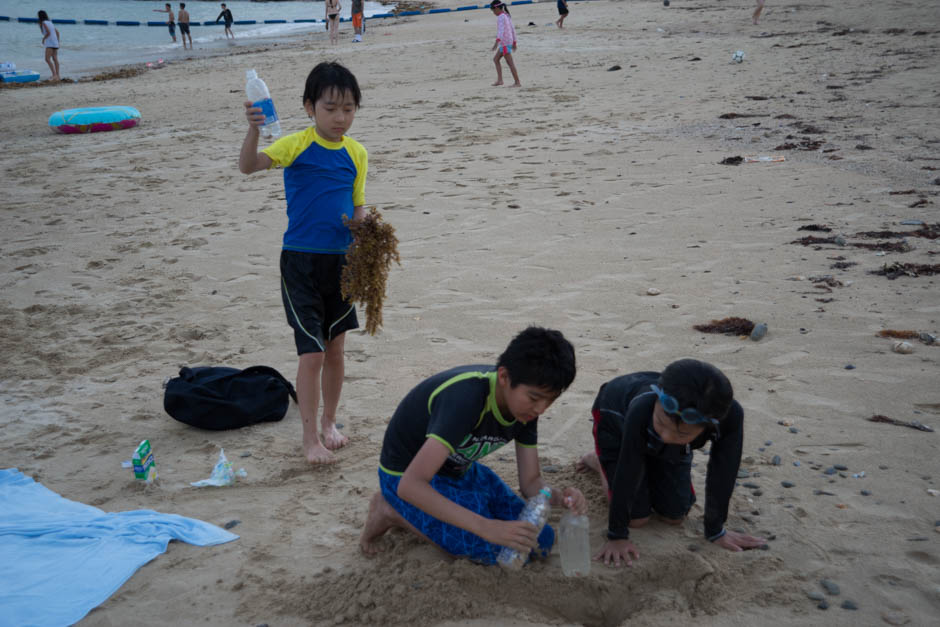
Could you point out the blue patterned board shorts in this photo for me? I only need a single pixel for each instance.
(480, 490)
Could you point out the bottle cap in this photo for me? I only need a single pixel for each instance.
(547, 492)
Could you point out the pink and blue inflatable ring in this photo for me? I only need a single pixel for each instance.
(94, 119)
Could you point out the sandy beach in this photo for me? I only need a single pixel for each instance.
(564, 203)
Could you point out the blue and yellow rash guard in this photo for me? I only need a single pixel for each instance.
(323, 182)
(457, 408)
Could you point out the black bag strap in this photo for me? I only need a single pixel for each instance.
(274, 373)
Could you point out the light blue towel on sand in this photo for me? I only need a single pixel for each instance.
(60, 559)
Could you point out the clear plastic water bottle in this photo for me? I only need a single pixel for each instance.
(536, 511)
(260, 97)
(575, 545)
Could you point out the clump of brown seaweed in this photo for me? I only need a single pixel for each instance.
(368, 261)
(729, 326)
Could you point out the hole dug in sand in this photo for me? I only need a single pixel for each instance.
(408, 586)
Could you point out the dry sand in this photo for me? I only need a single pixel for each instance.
(128, 254)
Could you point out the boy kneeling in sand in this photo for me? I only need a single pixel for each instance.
(646, 425)
(430, 480)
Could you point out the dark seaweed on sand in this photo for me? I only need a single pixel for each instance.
(729, 326)
(815, 227)
(370, 256)
(811, 240)
(901, 335)
(894, 270)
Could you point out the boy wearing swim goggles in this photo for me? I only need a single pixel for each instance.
(646, 425)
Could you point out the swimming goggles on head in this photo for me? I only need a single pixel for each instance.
(689, 415)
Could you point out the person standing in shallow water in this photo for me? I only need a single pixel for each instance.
(170, 22)
(50, 39)
(184, 26)
(227, 15)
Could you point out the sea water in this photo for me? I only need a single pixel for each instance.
(86, 48)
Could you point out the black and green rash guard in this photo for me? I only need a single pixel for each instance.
(457, 408)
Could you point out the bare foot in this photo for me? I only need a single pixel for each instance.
(588, 462)
(317, 455)
(380, 519)
(332, 438)
(516, 85)
(497, 83)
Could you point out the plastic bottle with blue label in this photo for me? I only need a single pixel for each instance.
(536, 511)
(260, 97)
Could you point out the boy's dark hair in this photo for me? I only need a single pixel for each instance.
(327, 76)
(698, 384)
(539, 357)
(182, 5)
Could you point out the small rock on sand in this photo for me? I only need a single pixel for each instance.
(830, 586)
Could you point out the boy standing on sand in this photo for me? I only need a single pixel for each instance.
(324, 182)
(184, 26)
(170, 24)
(357, 19)
(562, 13)
(646, 425)
(430, 480)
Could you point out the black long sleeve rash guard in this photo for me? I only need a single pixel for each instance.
(629, 400)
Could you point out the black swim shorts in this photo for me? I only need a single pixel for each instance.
(184, 29)
(172, 28)
(312, 299)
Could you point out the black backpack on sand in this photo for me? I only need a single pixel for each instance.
(219, 398)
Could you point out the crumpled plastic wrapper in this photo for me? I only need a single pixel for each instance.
(222, 473)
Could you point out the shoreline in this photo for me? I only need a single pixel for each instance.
(178, 55)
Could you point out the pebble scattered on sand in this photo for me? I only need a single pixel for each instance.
(816, 595)
(246, 454)
(849, 605)
(849, 367)
(759, 331)
(743, 474)
(895, 618)
(822, 493)
(750, 485)
(787, 484)
(830, 587)
(903, 348)
(776, 461)
(840, 467)
(550, 468)
(830, 471)
(231, 524)
(866, 493)
(794, 430)
(797, 463)
(653, 291)
(823, 605)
